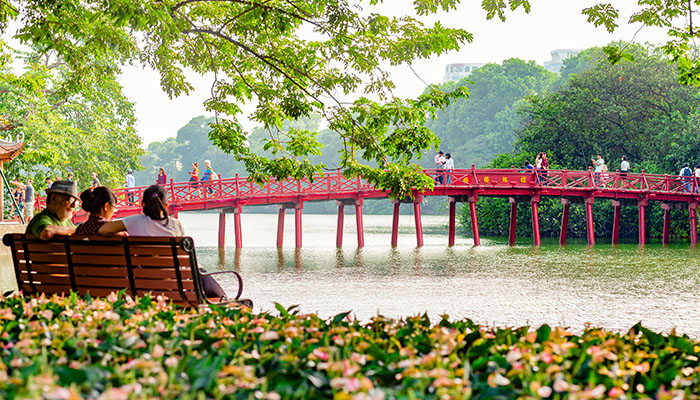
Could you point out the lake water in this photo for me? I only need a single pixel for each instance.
(494, 284)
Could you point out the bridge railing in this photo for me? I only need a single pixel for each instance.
(334, 183)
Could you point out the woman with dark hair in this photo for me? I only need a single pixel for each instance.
(155, 221)
(161, 179)
(101, 203)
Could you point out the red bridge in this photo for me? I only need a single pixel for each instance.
(462, 185)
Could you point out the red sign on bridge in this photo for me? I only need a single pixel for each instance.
(460, 185)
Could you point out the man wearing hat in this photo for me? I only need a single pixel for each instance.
(55, 219)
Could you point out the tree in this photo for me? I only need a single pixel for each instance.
(293, 58)
(474, 130)
(67, 128)
(637, 109)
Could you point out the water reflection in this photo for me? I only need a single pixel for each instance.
(495, 284)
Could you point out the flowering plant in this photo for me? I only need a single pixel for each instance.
(67, 347)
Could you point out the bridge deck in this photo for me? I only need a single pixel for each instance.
(458, 185)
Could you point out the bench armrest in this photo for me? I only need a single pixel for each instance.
(238, 276)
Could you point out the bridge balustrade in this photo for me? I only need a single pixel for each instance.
(458, 185)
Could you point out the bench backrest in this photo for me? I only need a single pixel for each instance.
(100, 265)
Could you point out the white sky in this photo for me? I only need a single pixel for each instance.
(551, 24)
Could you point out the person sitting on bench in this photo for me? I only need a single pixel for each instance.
(55, 219)
(101, 203)
(155, 221)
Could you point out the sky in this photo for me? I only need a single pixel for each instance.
(551, 24)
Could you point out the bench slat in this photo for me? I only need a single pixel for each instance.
(99, 265)
(58, 258)
(162, 273)
(61, 279)
(159, 261)
(162, 284)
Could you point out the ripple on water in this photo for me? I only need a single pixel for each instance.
(491, 284)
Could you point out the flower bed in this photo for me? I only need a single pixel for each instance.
(114, 348)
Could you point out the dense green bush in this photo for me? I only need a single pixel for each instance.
(118, 348)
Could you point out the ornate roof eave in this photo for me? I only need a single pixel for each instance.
(11, 146)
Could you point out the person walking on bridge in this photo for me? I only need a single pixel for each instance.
(439, 164)
(624, 168)
(686, 173)
(161, 179)
(209, 175)
(129, 183)
(448, 167)
(598, 163)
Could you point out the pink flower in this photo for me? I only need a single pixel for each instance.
(616, 392)
(546, 357)
(544, 391)
(58, 394)
(352, 385)
(321, 354)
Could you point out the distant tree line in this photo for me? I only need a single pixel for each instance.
(634, 108)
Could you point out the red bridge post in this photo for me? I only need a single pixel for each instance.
(589, 221)
(297, 222)
(222, 228)
(667, 223)
(535, 220)
(642, 221)
(419, 224)
(237, 226)
(617, 206)
(692, 211)
(564, 221)
(280, 225)
(474, 220)
(451, 227)
(341, 222)
(395, 223)
(360, 225)
(513, 220)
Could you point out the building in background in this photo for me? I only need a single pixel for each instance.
(455, 72)
(558, 57)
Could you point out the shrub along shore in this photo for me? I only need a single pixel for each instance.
(118, 348)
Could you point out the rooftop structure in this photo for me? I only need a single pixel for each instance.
(455, 72)
(558, 57)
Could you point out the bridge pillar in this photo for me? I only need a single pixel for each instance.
(395, 223)
(419, 223)
(589, 221)
(692, 211)
(339, 227)
(297, 223)
(222, 229)
(280, 225)
(474, 220)
(617, 206)
(642, 221)
(667, 223)
(358, 222)
(564, 221)
(513, 220)
(535, 220)
(238, 232)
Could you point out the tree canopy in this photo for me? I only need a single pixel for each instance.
(476, 129)
(67, 127)
(636, 109)
(292, 59)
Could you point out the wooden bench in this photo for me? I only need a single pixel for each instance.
(101, 265)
